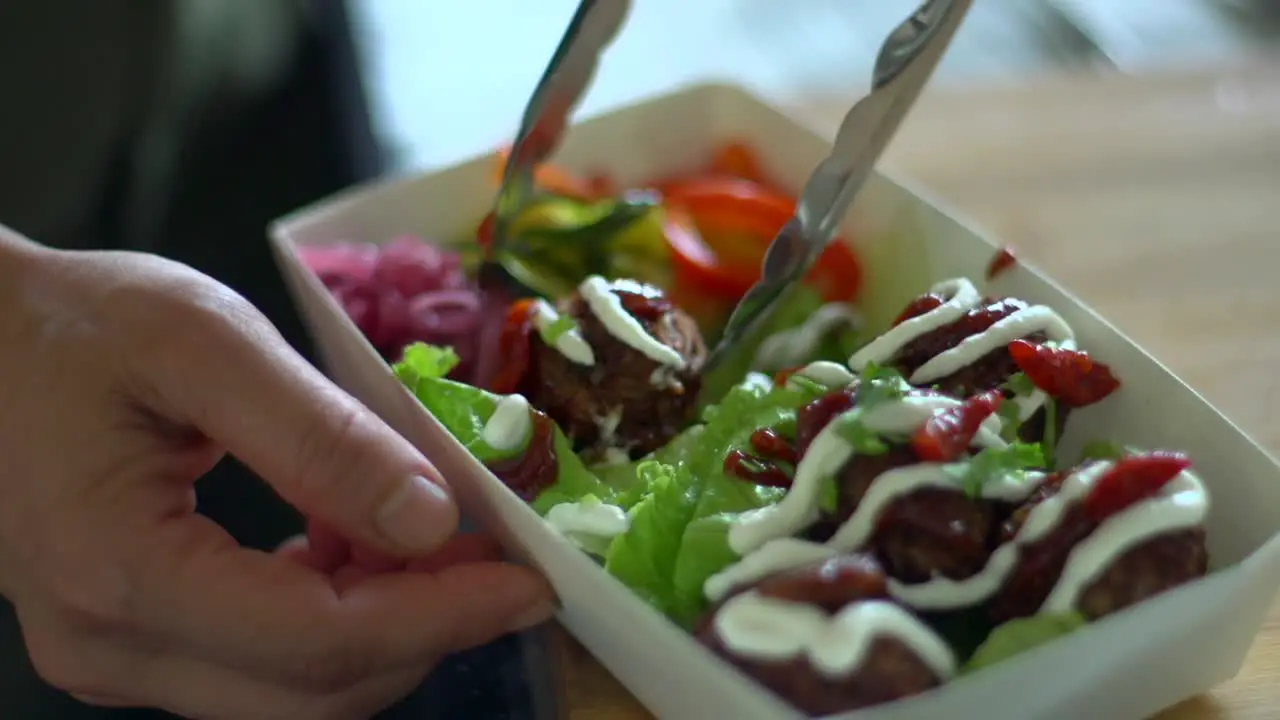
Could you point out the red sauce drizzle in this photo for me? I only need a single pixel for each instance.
(644, 307)
(770, 443)
(819, 413)
(514, 348)
(919, 306)
(762, 467)
(1001, 262)
(746, 466)
(536, 469)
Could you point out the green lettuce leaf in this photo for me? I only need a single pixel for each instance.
(1019, 636)
(464, 410)
(679, 531)
(631, 481)
(643, 558)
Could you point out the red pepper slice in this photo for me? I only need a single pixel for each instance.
(735, 220)
(514, 347)
(947, 435)
(1069, 376)
(737, 159)
(918, 307)
(1002, 261)
(1132, 479)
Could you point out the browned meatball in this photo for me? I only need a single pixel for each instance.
(620, 402)
(891, 671)
(1148, 569)
(926, 533)
(989, 373)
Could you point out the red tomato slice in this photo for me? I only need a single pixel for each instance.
(735, 220)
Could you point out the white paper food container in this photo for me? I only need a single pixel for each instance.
(1126, 666)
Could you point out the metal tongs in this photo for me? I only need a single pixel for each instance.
(905, 62)
(573, 65)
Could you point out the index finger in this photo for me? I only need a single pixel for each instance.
(323, 451)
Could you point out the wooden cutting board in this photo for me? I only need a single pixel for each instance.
(1152, 197)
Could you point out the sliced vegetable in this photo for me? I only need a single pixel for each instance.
(557, 241)
(736, 219)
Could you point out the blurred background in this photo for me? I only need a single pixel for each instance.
(449, 79)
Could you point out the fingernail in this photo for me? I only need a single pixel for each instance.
(410, 517)
(533, 616)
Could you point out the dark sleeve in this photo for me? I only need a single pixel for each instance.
(75, 76)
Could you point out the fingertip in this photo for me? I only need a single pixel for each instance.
(419, 516)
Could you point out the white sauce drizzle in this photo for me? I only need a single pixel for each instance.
(825, 373)
(602, 299)
(961, 297)
(590, 519)
(510, 425)
(762, 628)
(1180, 505)
(827, 454)
(793, 346)
(570, 343)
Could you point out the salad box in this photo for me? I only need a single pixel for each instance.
(1126, 665)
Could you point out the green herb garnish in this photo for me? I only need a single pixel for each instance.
(1010, 414)
(880, 384)
(1010, 420)
(1012, 461)
(877, 385)
(855, 431)
(1020, 384)
(829, 496)
(558, 328)
(807, 386)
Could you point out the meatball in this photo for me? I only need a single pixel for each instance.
(890, 671)
(1143, 571)
(625, 400)
(923, 534)
(989, 372)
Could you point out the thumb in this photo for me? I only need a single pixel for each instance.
(324, 452)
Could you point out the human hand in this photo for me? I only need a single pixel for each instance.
(127, 377)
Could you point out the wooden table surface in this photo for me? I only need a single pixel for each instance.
(1152, 197)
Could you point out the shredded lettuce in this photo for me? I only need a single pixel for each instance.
(1018, 636)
